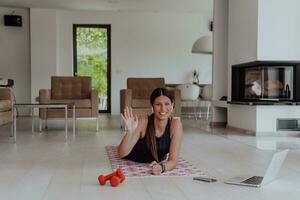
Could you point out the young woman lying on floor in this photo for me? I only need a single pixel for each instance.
(153, 139)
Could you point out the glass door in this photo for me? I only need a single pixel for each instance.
(92, 58)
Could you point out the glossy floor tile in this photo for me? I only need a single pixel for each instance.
(41, 165)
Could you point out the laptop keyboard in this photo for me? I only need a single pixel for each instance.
(253, 180)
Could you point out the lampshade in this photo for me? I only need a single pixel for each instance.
(203, 45)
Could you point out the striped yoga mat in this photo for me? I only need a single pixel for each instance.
(131, 168)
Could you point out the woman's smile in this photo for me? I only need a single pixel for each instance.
(162, 106)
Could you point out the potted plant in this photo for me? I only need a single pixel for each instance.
(191, 91)
(196, 77)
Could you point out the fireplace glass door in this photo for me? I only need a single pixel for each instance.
(269, 83)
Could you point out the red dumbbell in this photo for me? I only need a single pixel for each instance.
(118, 173)
(115, 181)
(102, 179)
(118, 178)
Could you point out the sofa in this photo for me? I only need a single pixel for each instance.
(137, 95)
(6, 104)
(70, 90)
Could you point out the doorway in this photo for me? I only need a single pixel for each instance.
(92, 57)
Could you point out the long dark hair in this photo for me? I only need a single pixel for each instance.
(150, 131)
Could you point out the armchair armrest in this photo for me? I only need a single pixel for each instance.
(125, 99)
(6, 94)
(44, 96)
(177, 102)
(95, 103)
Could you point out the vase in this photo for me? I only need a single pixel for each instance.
(189, 91)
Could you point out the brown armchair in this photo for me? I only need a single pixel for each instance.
(137, 95)
(75, 90)
(6, 104)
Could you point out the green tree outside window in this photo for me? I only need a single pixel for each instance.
(92, 56)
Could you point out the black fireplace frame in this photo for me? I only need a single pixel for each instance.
(238, 79)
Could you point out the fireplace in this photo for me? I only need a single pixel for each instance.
(266, 81)
(270, 83)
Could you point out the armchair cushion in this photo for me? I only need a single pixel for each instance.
(67, 90)
(137, 95)
(5, 117)
(5, 105)
(145, 83)
(70, 87)
(141, 93)
(6, 94)
(140, 103)
(79, 103)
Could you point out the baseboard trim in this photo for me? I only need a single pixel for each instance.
(242, 131)
(217, 124)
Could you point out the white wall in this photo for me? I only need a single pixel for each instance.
(144, 44)
(220, 56)
(14, 53)
(278, 30)
(43, 49)
(242, 31)
(263, 30)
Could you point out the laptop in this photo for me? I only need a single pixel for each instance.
(270, 175)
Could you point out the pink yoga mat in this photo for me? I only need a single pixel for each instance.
(131, 168)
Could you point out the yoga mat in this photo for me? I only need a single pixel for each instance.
(132, 169)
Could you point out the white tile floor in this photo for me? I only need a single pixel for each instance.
(43, 166)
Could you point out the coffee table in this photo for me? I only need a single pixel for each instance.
(32, 106)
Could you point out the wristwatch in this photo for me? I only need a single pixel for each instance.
(163, 167)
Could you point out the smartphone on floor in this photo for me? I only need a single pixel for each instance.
(205, 179)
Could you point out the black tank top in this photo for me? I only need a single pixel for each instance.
(141, 152)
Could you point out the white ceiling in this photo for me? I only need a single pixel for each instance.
(120, 5)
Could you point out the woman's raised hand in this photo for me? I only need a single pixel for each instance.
(131, 121)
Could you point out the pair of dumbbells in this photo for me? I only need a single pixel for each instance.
(114, 178)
